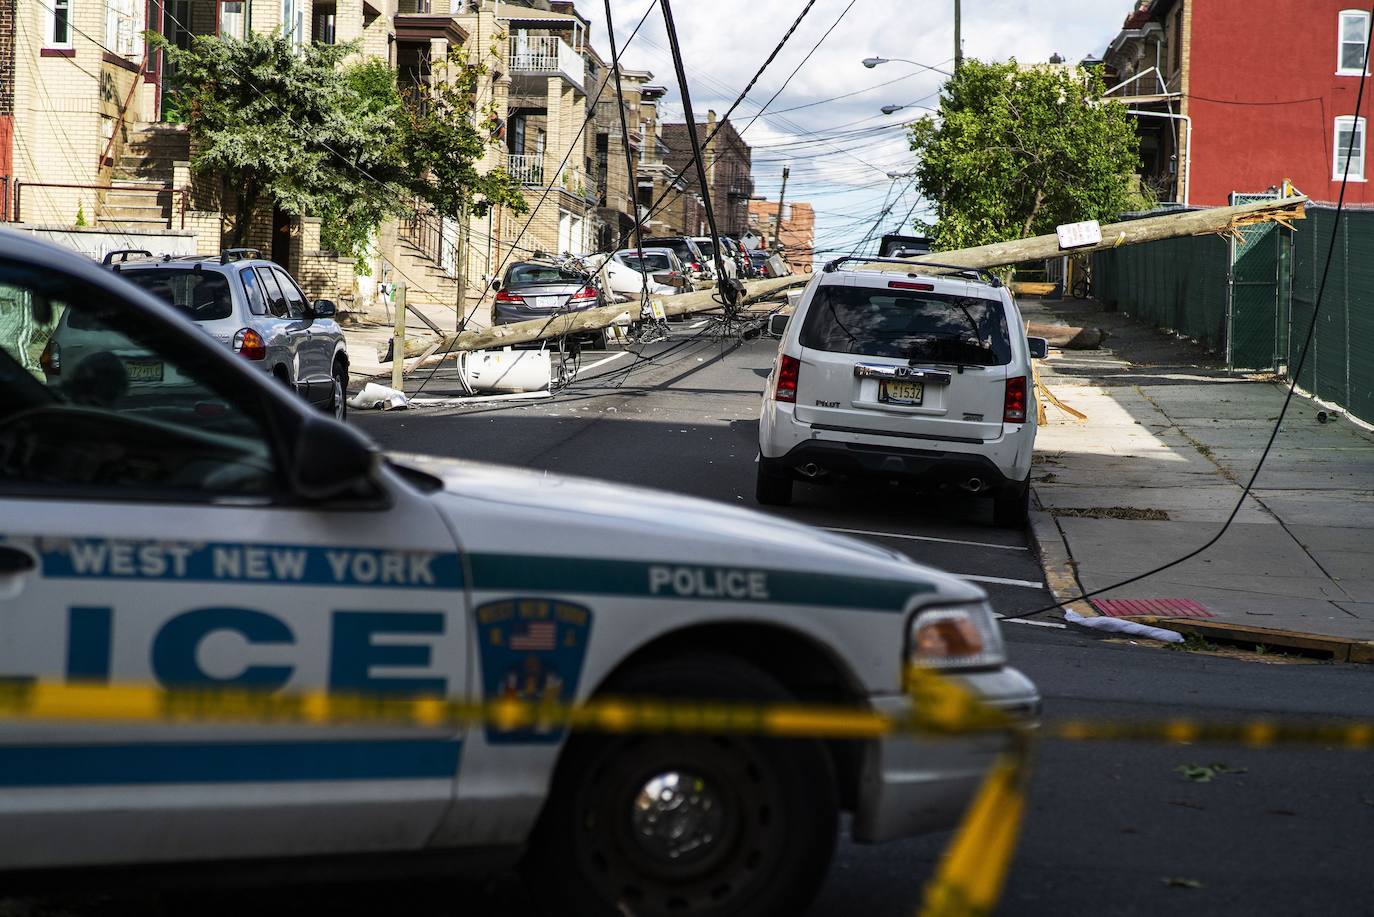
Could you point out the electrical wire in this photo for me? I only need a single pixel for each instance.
(1292, 387)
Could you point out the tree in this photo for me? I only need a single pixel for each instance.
(445, 133)
(281, 124)
(1018, 151)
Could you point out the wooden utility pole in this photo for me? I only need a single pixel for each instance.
(958, 36)
(782, 199)
(398, 337)
(1222, 220)
(460, 257)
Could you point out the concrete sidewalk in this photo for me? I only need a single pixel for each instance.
(1162, 459)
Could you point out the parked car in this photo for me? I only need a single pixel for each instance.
(667, 275)
(920, 378)
(539, 289)
(759, 259)
(281, 553)
(687, 252)
(252, 306)
(737, 252)
(708, 251)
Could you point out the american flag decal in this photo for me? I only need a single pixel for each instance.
(539, 636)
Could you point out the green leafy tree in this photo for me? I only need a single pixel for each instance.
(1017, 151)
(445, 133)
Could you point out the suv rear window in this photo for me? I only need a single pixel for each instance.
(679, 247)
(203, 295)
(931, 327)
(652, 261)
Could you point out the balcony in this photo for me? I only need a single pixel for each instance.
(545, 55)
(526, 169)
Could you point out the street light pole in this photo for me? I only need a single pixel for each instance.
(958, 39)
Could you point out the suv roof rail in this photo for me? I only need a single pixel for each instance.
(124, 254)
(985, 275)
(239, 254)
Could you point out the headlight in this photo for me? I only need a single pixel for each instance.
(955, 636)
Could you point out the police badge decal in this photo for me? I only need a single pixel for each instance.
(531, 650)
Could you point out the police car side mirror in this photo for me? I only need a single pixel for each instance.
(324, 308)
(332, 460)
(1039, 347)
(777, 324)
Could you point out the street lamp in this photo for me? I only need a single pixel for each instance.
(889, 109)
(871, 62)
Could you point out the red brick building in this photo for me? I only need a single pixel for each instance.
(797, 235)
(1265, 88)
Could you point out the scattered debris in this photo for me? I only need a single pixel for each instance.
(1204, 773)
(378, 397)
(1122, 626)
(1132, 513)
(1180, 882)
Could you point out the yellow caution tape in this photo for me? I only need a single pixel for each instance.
(975, 864)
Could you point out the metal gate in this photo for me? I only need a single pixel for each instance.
(1259, 293)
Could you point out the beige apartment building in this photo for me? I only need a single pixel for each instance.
(90, 152)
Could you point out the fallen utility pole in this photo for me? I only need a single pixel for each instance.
(598, 318)
(1132, 232)
(1149, 229)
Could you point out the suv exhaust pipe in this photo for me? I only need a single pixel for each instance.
(810, 470)
(973, 485)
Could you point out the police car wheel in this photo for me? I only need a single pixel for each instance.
(773, 486)
(687, 825)
(339, 404)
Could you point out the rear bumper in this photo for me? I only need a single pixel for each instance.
(922, 467)
(506, 314)
(913, 785)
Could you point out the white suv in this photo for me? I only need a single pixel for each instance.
(915, 373)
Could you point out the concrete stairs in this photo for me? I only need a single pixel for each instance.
(145, 161)
(426, 282)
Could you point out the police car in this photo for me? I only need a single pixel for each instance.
(226, 534)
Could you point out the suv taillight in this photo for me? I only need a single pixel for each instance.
(789, 368)
(1014, 405)
(249, 344)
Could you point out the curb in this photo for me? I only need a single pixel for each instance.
(1061, 573)
(1342, 649)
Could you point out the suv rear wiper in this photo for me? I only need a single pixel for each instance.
(977, 332)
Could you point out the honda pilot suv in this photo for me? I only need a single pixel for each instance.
(913, 373)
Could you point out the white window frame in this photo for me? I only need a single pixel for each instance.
(1344, 122)
(233, 25)
(124, 27)
(50, 24)
(293, 21)
(1345, 15)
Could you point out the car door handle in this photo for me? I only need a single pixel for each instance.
(14, 561)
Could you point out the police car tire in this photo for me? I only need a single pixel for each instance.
(773, 486)
(340, 407)
(781, 796)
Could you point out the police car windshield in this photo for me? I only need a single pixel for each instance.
(201, 295)
(878, 322)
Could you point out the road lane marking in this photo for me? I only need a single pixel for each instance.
(1000, 580)
(601, 362)
(976, 544)
(1054, 624)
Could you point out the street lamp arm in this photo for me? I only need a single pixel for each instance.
(871, 62)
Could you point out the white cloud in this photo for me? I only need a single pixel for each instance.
(725, 41)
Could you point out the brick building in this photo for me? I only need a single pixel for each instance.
(797, 237)
(729, 169)
(1238, 95)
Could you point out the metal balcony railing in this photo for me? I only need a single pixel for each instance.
(545, 54)
(526, 169)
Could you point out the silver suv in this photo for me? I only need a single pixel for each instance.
(255, 308)
(914, 373)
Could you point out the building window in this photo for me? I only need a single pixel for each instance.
(124, 27)
(1354, 34)
(1350, 139)
(293, 21)
(324, 28)
(233, 19)
(59, 25)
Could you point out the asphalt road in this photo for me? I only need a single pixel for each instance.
(1111, 828)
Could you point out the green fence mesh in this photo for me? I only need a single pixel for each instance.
(1253, 301)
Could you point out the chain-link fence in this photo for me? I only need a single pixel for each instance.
(1252, 298)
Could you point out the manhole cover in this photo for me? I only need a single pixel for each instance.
(1161, 608)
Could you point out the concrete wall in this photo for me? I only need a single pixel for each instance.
(95, 243)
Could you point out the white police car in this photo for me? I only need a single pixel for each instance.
(226, 534)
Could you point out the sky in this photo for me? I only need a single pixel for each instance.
(846, 181)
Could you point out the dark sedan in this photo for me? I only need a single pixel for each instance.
(532, 290)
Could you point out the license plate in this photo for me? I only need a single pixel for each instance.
(144, 370)
(546, 302)
(901, 392)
